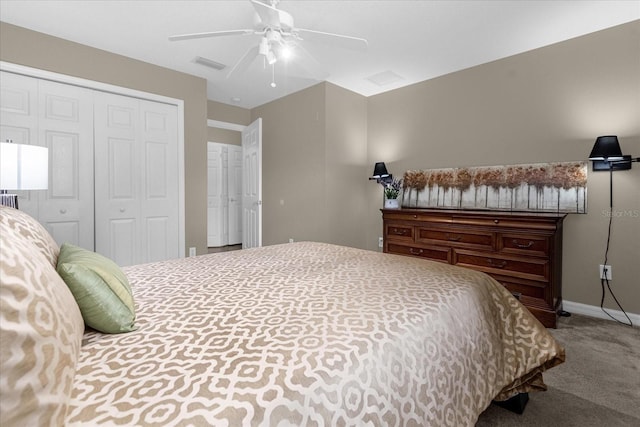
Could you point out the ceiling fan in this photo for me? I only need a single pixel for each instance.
(279, 38)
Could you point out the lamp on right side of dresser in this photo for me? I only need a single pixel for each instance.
(606, 155)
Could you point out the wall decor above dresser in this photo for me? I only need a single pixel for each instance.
(540, 187)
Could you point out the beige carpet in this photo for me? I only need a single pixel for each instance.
(598, 385)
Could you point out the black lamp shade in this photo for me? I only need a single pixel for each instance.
(380, 170)
(606, 148)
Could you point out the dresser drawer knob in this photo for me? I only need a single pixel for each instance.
(496, 221)
(523, 246)
(501, 264)
(399, 231)
(415, 251)
(454, 237)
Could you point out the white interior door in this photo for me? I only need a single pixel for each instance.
(159, 210)
(224, 194)
(117, 178)
(235, 195)
(44, 108)
(252, 185)
(19, 123)
(59, 117)
(136, 182)
(214, 223)
(66, 208)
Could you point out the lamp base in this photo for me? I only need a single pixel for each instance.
(618, 165)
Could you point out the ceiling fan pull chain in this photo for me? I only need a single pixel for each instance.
(273, 75)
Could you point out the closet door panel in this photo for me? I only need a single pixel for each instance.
(122, 243)
(235, 195)
(214, 194)
(65, 127)
(117, 171)
(159, 198)
(19, 123)
(136, 185)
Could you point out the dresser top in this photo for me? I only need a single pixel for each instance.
(484, 213)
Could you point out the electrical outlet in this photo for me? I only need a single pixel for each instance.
(605, 272)
(380, 242)
(192, 251)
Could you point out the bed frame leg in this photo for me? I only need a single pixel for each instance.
(515, 404)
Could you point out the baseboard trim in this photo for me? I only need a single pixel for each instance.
(595, 311)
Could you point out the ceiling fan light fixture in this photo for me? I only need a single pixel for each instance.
(278, 39)
(286, 52)
(264, 49)
(271, 58)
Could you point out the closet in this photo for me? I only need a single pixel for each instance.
(113, 166)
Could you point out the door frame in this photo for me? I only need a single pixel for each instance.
(238, 128)
(225, 207)
(133, 93)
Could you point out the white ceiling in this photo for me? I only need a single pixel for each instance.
(409, 40)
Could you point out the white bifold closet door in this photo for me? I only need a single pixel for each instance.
(59, 117)
(136, 165)
(113, 166)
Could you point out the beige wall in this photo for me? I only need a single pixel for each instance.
(542, 106)
(224, 136)
(37, 50)
(314, 158)
(293, 167)
(347, 168)
(228, 114)
(314, 166)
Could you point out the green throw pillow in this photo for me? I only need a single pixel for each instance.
(100, 288)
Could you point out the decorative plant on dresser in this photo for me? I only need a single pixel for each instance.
(521, 250)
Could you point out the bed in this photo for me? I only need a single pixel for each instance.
(303, 333)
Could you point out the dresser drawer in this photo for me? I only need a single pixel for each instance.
(528, 288)
(456, 237)
(505, 222)
(525, 244)
(399, 232)
(526, 268)
(434, 253)
(413, 216)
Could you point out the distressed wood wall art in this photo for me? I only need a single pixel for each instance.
(542, 187)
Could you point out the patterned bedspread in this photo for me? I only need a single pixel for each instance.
(310, 334)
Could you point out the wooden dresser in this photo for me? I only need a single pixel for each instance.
(523, 251)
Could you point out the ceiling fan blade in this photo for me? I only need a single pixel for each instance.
(349, 42)
(211, 34)
(272, 17)
(244, 62)
(308, 63)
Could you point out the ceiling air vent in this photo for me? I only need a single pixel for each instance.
(209, 63)
(385, 78)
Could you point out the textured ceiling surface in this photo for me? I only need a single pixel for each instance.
(408, 41)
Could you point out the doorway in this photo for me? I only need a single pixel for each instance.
(242, 171)
(224, 195)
